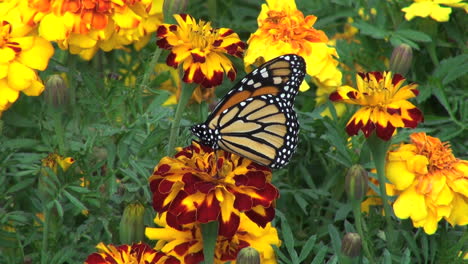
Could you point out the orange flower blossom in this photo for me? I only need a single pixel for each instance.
(432, 181)
(283, 29)
(186, 244)
(200, 49)
(200, 185)
(384, 104)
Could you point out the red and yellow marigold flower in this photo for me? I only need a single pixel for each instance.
(432, 181)
(283, 29)
(83, 27)
(384, 104)
(54, 160)
(433, 8)
(200, 49)
(186, 244)
(200, 185)
(139, 253)
(20, 58)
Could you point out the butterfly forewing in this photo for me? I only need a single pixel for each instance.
(256, 118)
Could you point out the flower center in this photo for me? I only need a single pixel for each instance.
(439, 154)
(202, 35)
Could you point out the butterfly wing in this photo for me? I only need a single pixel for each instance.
(256, 118)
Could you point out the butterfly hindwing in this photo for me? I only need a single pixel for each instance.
(256, 118)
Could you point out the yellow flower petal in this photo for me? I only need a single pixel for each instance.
(398, 174)
(20, 77)
(410, 204)
(37, 57)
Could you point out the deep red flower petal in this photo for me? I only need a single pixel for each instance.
(229, 228)
(386, 132)
(335, 96)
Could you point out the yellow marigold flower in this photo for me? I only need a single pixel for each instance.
(384, 104)
(200, 49)
(53, 159)
(20, 57)
(282, 29)
(138, 253)
(201, 185)
(186, 244)
(433, 8)
(83, 27)
(433, 183)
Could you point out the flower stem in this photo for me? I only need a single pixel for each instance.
(45, 235)
(210, 235)
(185, 94)
(379, 148)
(358, 218)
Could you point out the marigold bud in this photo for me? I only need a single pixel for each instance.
(56, 91)
(356, 182)
(132, 229)
(248, 255)
(400, 62)
(351, 245)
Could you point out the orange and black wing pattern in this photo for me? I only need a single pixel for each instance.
(256, 118)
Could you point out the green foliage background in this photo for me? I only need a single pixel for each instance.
(116, 132)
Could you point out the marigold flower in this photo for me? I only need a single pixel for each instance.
(138, 253)
(200, 185)
(187, 244)
(433, 8)
(20, 57)
(433, 183)
(384, 104)
(83, 27)
(200, 49)
(283, 29)
(53, 159)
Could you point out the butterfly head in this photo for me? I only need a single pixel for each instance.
(206, 135)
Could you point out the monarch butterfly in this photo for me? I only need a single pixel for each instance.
(256, 118)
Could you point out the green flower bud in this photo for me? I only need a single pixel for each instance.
(56, 91)
(351, 245)
(132, 228)
(400, 62)
(356, 182)
(248, 255)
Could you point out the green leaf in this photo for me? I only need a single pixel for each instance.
(289, 240)
(74, 200)
(78, 189)
(307, 248)
(23, 184)
(320, 257)
(387, 257)
(371, 30)
(335, 238)
(414, 35)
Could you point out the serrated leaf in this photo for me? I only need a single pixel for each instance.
(342, 212)
(320, 257)
(301, 202)
(78, 189)
(307, 248)
(74, 200)
(21, 185)
(289, 240)
(335, 238)
(371, 30)
(414, 35)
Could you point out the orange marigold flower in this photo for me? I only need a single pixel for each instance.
(85, 26)
(187, 244)
(432, 181)
(139, 253)
(384, 104)
(200, 185)
(283, 29)
(201, 49)
(20, 56)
